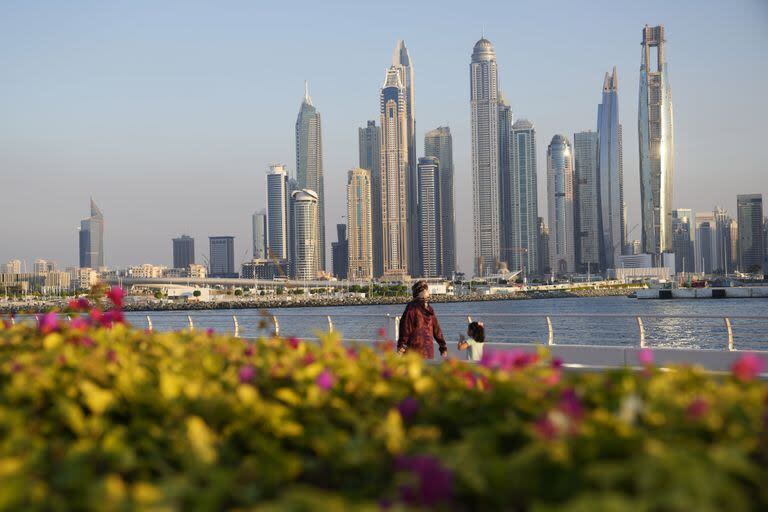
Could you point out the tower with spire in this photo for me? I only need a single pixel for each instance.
(91, 239)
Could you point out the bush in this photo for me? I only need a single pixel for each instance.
(98, 415)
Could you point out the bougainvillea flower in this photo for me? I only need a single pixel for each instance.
(111, 356)
(81, 304)
(570, 404)
(747, 367)
(408, 408)
(87, 342)
(79, 323)
(294, 342)
(382, 332)
(116, 296)
(210, 331)
(246, 373)
(545, 428)
(645, 356)
(556, 363)
(325, 380)
(434, 484)
(248, 351)
(352, 353)
(96, 315)
(508, 359)
(697, 409)
(48, 323)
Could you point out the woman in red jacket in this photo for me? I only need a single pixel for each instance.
(419, 325)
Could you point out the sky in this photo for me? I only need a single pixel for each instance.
(169, 113)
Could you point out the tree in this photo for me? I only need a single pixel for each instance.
(197, 293)
(238, 292)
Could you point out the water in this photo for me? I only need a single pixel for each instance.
(674, 332)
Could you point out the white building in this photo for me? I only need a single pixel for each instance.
(305, 233)
(562, 247)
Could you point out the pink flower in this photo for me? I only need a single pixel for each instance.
(508, 359)
(246, 373)
(645, 357)
(545, 428)
(48, 323)
(79, 323)
(325, 380)
(570, 405)
(111, 356)
(352, 353)
(87, 342)
(80, 304)
(111, 317)
(96, 315)
(209, 331)
(382, 332)
(408, 408)
(308, 359)
(557, 363)
(698, 408)
(294, 342)
(747, 367)
(434, 484)
(248, 351)
(116, 295)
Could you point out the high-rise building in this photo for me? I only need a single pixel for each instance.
(706, 252)
(401, 61)
(751, 244)
(91, 238)
(543, 252)
(725, 230)
(562, 248)
(506, 118)
(12, 267)
(278, 236)
(183, 251)
(360, 224)
(370, 159)
(682, 240)
(586, 191)
(656, 138)
(429, 209)
(222, 256)
(438, 143)
(259, 228)
(610, 161)
(340, 252)
(309, 164)
(305, 207)
(522, 228)
(394, 175)
(484, 104)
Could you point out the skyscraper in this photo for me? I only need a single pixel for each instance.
(305, 208)
(751, 245)
(562, 250)
(222, 256)
(359, 223)
(586, 201)
(506, 118)
(340, 252)
(259, 225)
(394, 175)
(401, 61)
(183, 251)
(429, 210)
(522, 228)
(370, 159)
(91, 238)
(682, 240)
(277, 212)
(438, 143)
(656, 138)
(706, 252)
(725, 257)
(543, 242)
(309, 164)
(613, 213)
(484, 104)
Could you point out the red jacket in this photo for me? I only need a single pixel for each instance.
(418, 326)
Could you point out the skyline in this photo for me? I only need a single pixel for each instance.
(215, 186)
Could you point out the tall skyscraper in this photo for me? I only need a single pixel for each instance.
(484, 104)
(183, 251)
(91, 238)
(359, 223)
(543, 253)
(394, 175)
(340, 252)
(259, 227)
(682, 240)
(656, 138)
(506, 118)
(522, 228)
(305, 207)
(613, 212)
(370, 159)
(222, 256)
(401, 61)
(725, 229)
(751, 244)
(309, 164)
(562, 248)
(278, 212)
(706, 253)
(586, 201)
(438, 143)
(429, 213)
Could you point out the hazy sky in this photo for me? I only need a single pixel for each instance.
(168, 113)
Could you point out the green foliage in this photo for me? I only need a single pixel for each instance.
(197, 293)
(238, 292)
(123, 419)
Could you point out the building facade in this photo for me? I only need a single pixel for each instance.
(438, 143)
(360, 224)
(522, 228)
(543, 241)
(278, 212)
(429, 209)
(682, 240)
(91, 239)
(751, 246)
(369, 139)
(506, 119)
(309, 164)
(222, 256)
(656, 140)
(586, 188)
(305, 208)
(726, 236)
(183, 251)
(484, 107)
(340, 253)
(259, 234)
(610, 161)
(705, 251)
(562, 247)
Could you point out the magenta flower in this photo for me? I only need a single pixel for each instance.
(246, 373)
(16, 367)
(352, 353)
(87, 342)
(209, 331)
(308, 359)
(434, 484)
(747, 367)
(408, 408)
(557, 363)
(386, 373)
(325, 380)
(80, 304)
(248, 351)
(111, 356)
(545, 428)
(48, 323)
(79, 323)
(571, 405)
(645, 357)
(508, 359)
(116, 296)
(697, 409)
(382, 332)
(294, 342)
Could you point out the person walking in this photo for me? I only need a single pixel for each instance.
(419, 325)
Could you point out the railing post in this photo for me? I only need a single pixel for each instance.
(550, 333)
(191, 324)
(237, 326)
(13, 320)
(330, 323)
(641, 328)
(397, 328)
(730, 332)
(149, 324)
(276, 324)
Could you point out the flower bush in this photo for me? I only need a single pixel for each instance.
(95, 414)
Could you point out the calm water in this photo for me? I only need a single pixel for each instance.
(364, 322)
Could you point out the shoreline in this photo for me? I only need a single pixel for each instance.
(298, 302)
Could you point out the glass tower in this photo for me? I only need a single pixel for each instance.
(562, 249)
(438, 143)
(91, 239)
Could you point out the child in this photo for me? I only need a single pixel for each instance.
(474, 343)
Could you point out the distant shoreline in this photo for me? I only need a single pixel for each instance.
(293, 301)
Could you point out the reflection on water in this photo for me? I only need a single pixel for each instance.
(667, 332)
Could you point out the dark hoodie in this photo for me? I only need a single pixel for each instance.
(418, 326)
